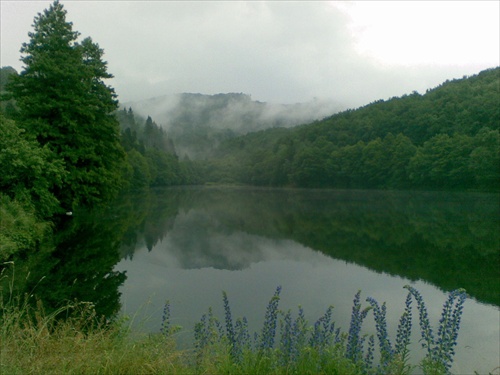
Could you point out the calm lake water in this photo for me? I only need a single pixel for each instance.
(187, 245)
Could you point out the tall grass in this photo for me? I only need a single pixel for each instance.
(44, 344)
(74, 340)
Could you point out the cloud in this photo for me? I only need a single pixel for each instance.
(284, 52)
(429, 33)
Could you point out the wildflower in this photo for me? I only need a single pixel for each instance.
(441, 350)
(379, 314)
(404, 333)
(299, 333)
(449, 324)
(323, 330)
(229, 320)
(404, 328)
(354, 348)
(165, 321)
(369, 353)
(241, 339)
(208, 331)
(270, 322)
(426, 329)
(287, 340)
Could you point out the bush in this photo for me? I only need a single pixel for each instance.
(20, 229)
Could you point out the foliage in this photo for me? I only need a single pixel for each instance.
(20, 229)
(198, 123)
(28, 172)
(447, 138)
(66, 106)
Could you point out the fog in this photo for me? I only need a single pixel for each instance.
(235, 111)
(350, 53)
(197, 123)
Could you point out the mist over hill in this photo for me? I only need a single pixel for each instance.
(197, 123)
(447, 138)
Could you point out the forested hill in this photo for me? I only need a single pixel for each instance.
(447, 138)
(459, 106)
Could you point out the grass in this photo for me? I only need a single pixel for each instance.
(33, 342)
(74, 340)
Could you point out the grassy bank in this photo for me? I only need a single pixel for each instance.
(74, 340)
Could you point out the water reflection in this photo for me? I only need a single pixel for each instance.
(448, 239)
(321, 246)
(77, 265)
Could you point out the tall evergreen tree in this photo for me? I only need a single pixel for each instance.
(66, 105)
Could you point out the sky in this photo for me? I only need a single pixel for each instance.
(347, 52)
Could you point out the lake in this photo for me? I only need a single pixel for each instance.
(187, 245)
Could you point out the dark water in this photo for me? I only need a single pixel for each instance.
(187, 245)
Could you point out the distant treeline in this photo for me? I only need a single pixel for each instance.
(447, 138)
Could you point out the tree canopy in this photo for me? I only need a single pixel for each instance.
(64, 103)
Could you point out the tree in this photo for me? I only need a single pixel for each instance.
(27, 171)
(65, 104)
(484, 161)
(443, 162)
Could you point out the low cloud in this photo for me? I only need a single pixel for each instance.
(279, 52)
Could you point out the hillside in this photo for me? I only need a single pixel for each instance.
(198, 123)
(5, 72)
(447, 138)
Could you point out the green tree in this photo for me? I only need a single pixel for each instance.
(443, 162)
(164, 168)
(140, 174)
(484, 161)
(311, 167)
(65, 104)
(347, 166)
(28, 172)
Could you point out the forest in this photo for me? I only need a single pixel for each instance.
(447, 138)
(67, 144)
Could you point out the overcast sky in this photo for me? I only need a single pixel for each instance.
(282, 52)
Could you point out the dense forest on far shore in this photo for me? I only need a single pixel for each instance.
(447, 138)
